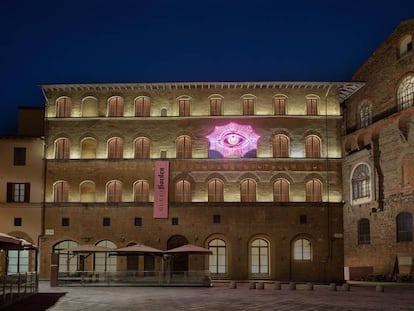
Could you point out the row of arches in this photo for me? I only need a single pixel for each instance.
(183, 147)
(258, 252)
(183, 191)
(115, 106)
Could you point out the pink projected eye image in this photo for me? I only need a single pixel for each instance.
(233, 140)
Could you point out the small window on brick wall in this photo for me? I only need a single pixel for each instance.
(106, 221)
(303, 219)
(138, 221)
(17, 222)
(174, 221)
(65, 222)
(216, 219)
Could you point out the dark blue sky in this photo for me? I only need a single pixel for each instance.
(74, 41)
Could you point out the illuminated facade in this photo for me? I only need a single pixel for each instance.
(254, 174)
(378, 169)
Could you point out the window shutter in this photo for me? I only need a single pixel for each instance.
(27, 192)
(9, 192)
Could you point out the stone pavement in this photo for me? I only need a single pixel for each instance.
(222, 297)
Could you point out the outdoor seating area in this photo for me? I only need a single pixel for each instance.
(161, 275)
(20, 285)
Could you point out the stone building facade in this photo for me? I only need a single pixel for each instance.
(378, 168)
(254, 174)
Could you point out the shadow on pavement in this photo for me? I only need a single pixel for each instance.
(37, 302)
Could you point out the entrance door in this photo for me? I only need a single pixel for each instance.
(179, 261)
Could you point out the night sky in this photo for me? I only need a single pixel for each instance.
(91, 41)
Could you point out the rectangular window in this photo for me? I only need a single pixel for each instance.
(18, 192)
(174, 221)
(138, 221)
(65, 222)
(19, 156)
(216, 219)
(106, 222)
(163, 154)
(248, 106)
(17, 222)
(312, 106)
(303, 219)
(184, 107)
(279, 106)
(215, 106)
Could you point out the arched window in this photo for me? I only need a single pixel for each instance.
(312, 105)
(361, 182)
(88, 148)
(406, 45)
(142, 106)
(142, 148)
(216, 106)
(114, 191)
(248, 190)
(104, 262)
(61, 191)
(184, 104)
(312, 147)
(141, 191)
(217, 261)
(183, 147)
(314, 191)
(281, 190)
(215, 190)
(87, 191)
(183, 191)
(302, 250)
(259, 256)
(67, 262)
(64, 107)
(115, 106)
(115, 148)
(404, 227)
(62, 149)
(364, 231)
(248, 102)
(364, 114)
(405, 93)
(89, 107)
(279, 105)
(280, 146)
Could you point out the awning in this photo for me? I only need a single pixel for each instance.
(138, 249)
(8, 242)
(189, 249)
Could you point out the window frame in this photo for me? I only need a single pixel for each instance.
(281, 190)
(404, 227)
(19, 156)
(215, 189)
(302, 252)
(248, 191)
(280, 146)
(262, 255)
(405, 93)
(360, 186)
(115, 109)
(217, 261)
(364, 231)
(18, 192)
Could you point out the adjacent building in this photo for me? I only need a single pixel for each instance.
(378, 167)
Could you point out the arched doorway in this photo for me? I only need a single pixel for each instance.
(179, 261)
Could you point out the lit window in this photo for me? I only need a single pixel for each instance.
(62, 149)
(312, 106)
(361, 185)
(115, 148)
(89, 107)
(183, 191)
(363, 231)
(184, 107)
(114, 191)
(279, 105)
(280, 146)
(281, 190)
(217, 260)
(314, 191)
(183, 146)
(215, 190)
(248, 106)
(141, 190)
(302, 250)
(405, 93)
(260, 257)
(18, 192)
(87, 191)
(312, 147)
(115, 106)
(142, 148)
(88, 148)
(404, 227)
(64, 106)
(142, 106)
(18, 261)
(215, 106)
(364, 114)
(67, 262)
(61, 191)
(248, 190)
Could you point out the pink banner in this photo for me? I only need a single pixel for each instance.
(161, 175)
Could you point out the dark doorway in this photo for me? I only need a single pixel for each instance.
(132, 261)
(179, 262)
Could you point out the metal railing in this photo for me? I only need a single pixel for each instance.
(17, 286)
(134, 278)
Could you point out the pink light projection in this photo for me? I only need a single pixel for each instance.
(233, 140)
